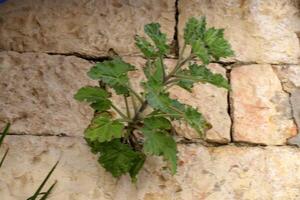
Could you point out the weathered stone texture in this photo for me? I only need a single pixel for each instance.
(259, 31)
(295, 102)
(210, 100)
(289, 76)
(36, 93)
(227, 172)
(261, 109)
(90, 28)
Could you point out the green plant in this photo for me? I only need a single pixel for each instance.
(123, 142)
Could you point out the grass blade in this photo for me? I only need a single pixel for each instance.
(46, 194)
(4, 133)
(38, 191)
(3, 158)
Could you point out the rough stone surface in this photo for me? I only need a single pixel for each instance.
(289, 76)
(259, 31)
(227, 172)
(210, 100)
(90, 28)
(295, 101)
(37, 93)
(261, 109)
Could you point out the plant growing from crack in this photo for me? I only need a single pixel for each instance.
(123, 142)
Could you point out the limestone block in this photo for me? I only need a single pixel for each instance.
(226, 172)
(259, 31)
(91, 28)
(36, 93)
(289, 76)
(261, 109)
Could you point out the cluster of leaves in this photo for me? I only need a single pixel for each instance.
(123, 143)
(38, 195)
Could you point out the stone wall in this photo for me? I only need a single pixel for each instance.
(251, 152)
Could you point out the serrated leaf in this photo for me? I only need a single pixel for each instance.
(157, 123)
(161, 144)
(199, 49)
(113, 73)
(103, 128)
(146, 47)
(200, 73)
(217, 45)
(159, 38)
(97, 96)
(194, 30)
(195, 120)
(154, 69)
(119, 159)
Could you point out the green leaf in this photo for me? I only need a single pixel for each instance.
(97, 96)
(159, 38)
(198, 48)
(195, 120)
(157, 123)
(217, 45)
(154, 69)
(113, 73)
(146, 47)
(194, 30)
(103, 128)
(200, 73)
(161, 144)
(119, 158)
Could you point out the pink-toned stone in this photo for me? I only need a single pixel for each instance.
(36, 93)
(261, 109)
(92, 28)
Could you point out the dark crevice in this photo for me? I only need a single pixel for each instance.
(82, 56)
(229, 103)
(175, 43)
(42, 134)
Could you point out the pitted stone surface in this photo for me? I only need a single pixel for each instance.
(92, 28)
(36, 93)
(226, 172)
(289, 76)
(261, 109)
(259, 31)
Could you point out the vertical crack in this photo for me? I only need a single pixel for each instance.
(175, 42)
(229, 102)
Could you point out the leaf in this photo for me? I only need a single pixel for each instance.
(157, 123)
(119, 158)
(146, 47)
(217, 45)
(161, 144)
(177, 110)
(103, 128)
(155, 70)
(194, 30)
(198, 48)
(200, 73)
(195, 120)
(113, 73)
(159, 38)
(97, 96)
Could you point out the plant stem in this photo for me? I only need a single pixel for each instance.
(127, 106)
(136, 95)
(119, 112)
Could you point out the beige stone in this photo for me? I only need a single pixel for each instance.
(289, 76)
(210, 100)
(295, 102)
(261, 109)
(91, 28)
(210, 173)
(36, 93)
(259, 31)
